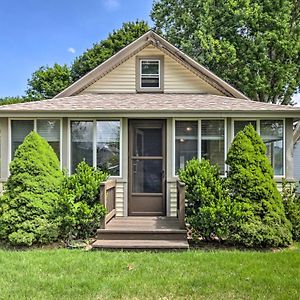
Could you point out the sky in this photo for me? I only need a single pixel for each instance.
(35, 33)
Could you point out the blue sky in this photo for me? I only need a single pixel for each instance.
(34, 33)
(41, 32)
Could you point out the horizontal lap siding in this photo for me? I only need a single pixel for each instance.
(120, 199)
(177, 78)
(173, 198)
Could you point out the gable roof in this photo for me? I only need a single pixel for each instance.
(148, 38)
(150, 103)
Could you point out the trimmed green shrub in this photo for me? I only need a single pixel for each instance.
(259, 215)
(291, 202)
(81, 211)
(31, 197)
(208, 208)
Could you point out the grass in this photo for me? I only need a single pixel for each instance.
(196, 274)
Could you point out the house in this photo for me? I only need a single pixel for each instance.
(297, 155)
(141, 115)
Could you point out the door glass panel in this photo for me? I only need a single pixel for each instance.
(147, 175)
(148, 142)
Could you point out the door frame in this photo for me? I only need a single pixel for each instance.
(147, 123)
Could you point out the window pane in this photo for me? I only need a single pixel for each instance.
(19, 130)
(148, 142)
(81, 143)
(150, 73)
(50, 131)
(271, 132)
(212, 142)
(240, 125)
(147, 176)
(150, 67)
(108, 146)
(186, 142)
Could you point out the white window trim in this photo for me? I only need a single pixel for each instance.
(159, 74)
(199, 140)
(94, 120)
(258, 120)
(34, 129)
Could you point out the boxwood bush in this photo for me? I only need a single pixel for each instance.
(208, 208)
(31, 197)
(260, 219)
(80, 210)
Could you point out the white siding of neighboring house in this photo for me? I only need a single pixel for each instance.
(297, 163)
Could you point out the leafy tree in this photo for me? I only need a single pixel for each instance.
(81, 210)
(101, 51)
(31, 196)
(12, 100)
(208, 208)
(252, 44)
(47, 82)
(258, 208)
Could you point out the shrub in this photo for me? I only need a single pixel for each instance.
(81, 210)
(31, 196)
(259, 215)
(291, 202)
(208, 206)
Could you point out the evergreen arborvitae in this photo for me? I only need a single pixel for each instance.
(260, 219)
(31, 196)
(208, 208)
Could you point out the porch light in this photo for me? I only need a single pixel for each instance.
(189, 129)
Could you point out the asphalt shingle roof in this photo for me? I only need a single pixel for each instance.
(146, 103)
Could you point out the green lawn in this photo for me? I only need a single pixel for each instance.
(220, 274)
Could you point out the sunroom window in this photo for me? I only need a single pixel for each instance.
(49, 129)
(212, 142)
(97, 143)
(271, 132)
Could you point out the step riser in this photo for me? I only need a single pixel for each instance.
(141, 236)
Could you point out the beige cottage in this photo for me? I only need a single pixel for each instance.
(141, 115)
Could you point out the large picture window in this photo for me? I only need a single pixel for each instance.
(212, 142)
(81, 143)
(108, 146)
(97, 143)
(49, 129)
(186, 142)
(271, 132)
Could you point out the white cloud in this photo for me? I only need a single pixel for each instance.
(111, 4)
(71, 50)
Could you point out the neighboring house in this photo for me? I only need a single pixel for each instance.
(297, 155)
(143, 114)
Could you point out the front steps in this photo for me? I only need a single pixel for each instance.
(161, 233)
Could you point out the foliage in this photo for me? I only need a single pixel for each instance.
(260, 219)
(101, 51)
(81, 210)
(208, 206)
(252, 44)
(47, 82)
(291, 202)
(13, 100)
(31, 196)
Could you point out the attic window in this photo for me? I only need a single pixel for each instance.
(149, 74)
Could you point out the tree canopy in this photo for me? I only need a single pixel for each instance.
(47, 82)
(252, 44)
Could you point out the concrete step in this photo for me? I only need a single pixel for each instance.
(141, 244)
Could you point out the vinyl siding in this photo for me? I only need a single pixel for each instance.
(297, 163)
(177, 78)
(120, 199)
